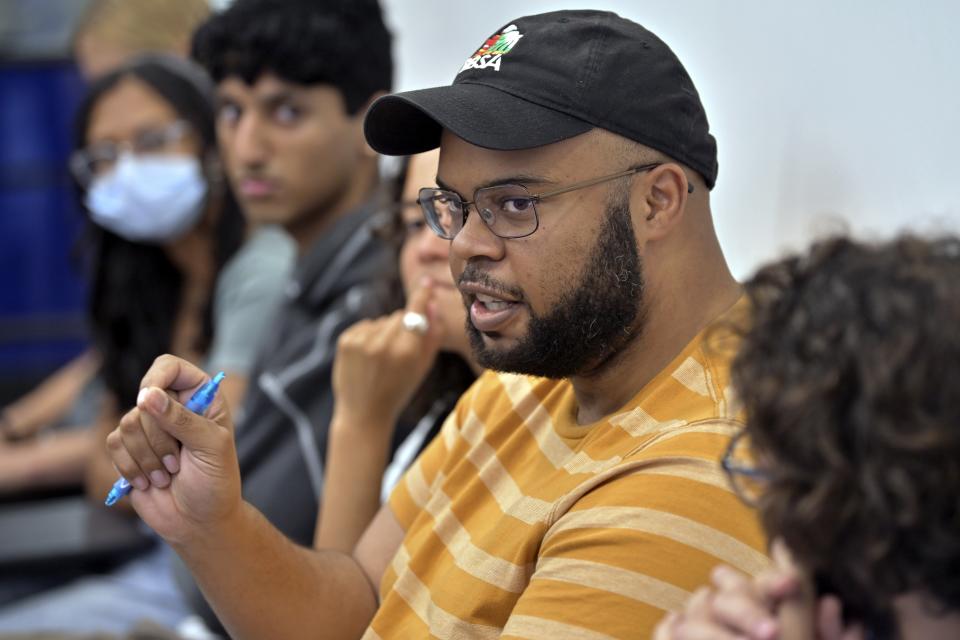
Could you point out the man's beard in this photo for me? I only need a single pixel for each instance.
(591, 322)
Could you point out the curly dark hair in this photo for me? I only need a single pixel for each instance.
(850, 379)
(343, 43)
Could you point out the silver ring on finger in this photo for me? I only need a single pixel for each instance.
(416, 322)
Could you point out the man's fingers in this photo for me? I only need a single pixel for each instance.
(193, 431)
(122, 460)
(165, 449)
(163, 444)
(176, 374)
(136, 442)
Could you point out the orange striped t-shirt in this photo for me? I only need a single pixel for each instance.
(521, 523)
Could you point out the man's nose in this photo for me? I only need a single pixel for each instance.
(250, 143)
(476, 240)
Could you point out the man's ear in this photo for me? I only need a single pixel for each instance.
(661, 196)
(359, 116)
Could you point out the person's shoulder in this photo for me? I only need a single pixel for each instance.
(268, 248)
(271, 241)
(696, 387)
(256, 274)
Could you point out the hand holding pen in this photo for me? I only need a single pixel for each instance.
(205, 485)
(199, 402)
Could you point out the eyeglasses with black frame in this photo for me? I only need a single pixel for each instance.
(747, 480)
(508, 210)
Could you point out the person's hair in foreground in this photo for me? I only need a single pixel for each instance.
(130, 326)
(343, 43)
(851, 388)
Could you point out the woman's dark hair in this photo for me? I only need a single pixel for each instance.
(342, 43)
(135, 290)
(850, 379)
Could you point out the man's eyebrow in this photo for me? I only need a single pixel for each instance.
(521, 179)
(443, 185)
(276, 98)
(267, 98)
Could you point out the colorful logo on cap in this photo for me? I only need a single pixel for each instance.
(489, 54)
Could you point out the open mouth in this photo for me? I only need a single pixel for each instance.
(490, 314)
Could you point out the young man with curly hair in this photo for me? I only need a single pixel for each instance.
(851, 387)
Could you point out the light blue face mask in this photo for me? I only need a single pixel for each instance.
(152, 198)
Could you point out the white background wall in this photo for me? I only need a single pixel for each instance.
(828, 114)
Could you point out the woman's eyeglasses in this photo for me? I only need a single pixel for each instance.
(97, 159)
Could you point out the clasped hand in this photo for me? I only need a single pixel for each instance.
(380, 363)
(183, 466)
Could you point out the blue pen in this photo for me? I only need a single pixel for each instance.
(199, 402)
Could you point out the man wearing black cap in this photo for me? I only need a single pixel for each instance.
(576, 492)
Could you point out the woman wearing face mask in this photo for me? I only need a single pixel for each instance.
(410, 366)
(164, 225)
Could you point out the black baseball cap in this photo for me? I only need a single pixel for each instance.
(545, 78)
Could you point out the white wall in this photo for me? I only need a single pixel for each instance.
(827, 113)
